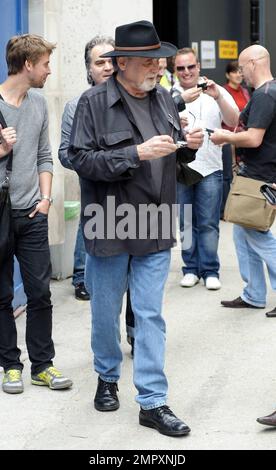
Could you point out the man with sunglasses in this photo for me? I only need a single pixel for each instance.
(207, 106)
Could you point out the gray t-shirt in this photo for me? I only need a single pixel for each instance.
(140, 108)
(31, 153)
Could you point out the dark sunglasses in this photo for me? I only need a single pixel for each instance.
(181, 68)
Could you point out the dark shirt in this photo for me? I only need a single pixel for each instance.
(140, 108)
(260, 113)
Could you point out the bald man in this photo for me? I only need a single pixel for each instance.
(258, 142)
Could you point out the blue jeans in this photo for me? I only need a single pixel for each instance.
(107, 279)
(205, 197)
(31, 247)
(79, 259)
(253, 248)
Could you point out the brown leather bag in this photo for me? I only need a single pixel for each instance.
(246, 206)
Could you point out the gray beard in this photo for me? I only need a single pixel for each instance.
(146, 86)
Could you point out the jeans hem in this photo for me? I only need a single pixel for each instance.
(255, 304)
(40, 369)
(108, 379)
(152, 407)
(186, 270)
(15, 367)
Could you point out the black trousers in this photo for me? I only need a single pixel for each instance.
(31, 247)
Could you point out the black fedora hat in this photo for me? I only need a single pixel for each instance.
(140, 39)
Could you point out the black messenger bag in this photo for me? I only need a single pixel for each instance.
(6, 233)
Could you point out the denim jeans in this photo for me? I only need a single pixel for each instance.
(79, 259)
(32, 251)
(254, 248)
(107, 279)
(205, 197)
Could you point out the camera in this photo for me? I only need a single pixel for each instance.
(202, 85)
(181, 143)
(269, 193)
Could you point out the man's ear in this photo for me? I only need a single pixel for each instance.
(122, 62)
(28, 65)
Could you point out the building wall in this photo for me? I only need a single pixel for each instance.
(71, 24)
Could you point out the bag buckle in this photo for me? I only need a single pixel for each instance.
(6, 183)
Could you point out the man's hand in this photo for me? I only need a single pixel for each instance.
(195, 138)
(156, 147)
(191, 94)
(220, 136)
(212, 89)
(43, 206)
(184, 120)
(7, 139)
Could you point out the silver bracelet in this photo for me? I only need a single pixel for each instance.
(48, 198)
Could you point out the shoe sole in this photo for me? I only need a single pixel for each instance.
(13, 391)
(240, 306)
(266, 424)
(188, 287)
(149, 424)
(56, 387)
(111, 408)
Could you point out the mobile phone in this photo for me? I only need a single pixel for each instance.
(181, 143)
(269, 193)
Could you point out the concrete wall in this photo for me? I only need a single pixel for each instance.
(71, 24)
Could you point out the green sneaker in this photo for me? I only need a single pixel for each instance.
(12, 381)
(52, 378)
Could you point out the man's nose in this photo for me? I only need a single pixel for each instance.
(108, 65)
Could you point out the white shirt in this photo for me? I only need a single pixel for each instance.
(205, 112)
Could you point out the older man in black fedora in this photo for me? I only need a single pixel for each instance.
(123, 146)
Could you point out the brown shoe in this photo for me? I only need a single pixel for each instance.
(237, 303)
(269, 420)
(272, 313)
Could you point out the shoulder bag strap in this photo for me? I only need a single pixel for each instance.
(10, 155)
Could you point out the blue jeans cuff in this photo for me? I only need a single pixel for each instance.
(249, 301)
(109, 379)
(155, 405)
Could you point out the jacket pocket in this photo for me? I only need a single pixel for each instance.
(116, 138)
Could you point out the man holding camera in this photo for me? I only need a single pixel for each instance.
(207, 105)
(258, 141)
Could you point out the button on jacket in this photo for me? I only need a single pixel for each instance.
(103, 152)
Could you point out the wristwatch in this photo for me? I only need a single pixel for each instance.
(48, 198)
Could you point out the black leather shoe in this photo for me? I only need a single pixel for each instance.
(269, 420)
(164, 421)
(106, 398)
(272, 313)
(81, 293)
(237, 303)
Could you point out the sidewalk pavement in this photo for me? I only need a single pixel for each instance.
(220, 365)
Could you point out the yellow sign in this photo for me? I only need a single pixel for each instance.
(228, 50)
